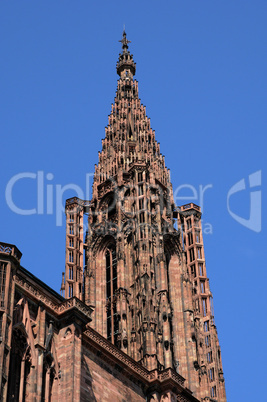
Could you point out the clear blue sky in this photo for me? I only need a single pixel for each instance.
(201, 67)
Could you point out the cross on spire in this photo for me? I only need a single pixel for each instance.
(124, 41)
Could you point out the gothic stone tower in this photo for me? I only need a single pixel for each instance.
(145, 274)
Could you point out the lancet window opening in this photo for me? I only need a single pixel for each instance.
(111, 287)
(2, 283)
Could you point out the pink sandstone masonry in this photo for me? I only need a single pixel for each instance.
(134, 321)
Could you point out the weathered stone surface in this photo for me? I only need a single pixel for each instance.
(136, 323)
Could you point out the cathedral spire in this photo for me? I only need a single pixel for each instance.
(125, 66)
(145, 273)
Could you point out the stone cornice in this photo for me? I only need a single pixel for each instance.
(57, 306)
(151, 380)
(115, 354)
(10, 250)
(37, 292)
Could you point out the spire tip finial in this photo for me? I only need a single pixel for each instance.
(124, 40)
(125, 65)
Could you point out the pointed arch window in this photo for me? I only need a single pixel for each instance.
(71, 273)
(71, 290)
(2, 284)
(71, 256)
(111, 206)
(111, 287)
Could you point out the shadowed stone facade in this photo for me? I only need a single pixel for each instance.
(136, 322)
(49, 351)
